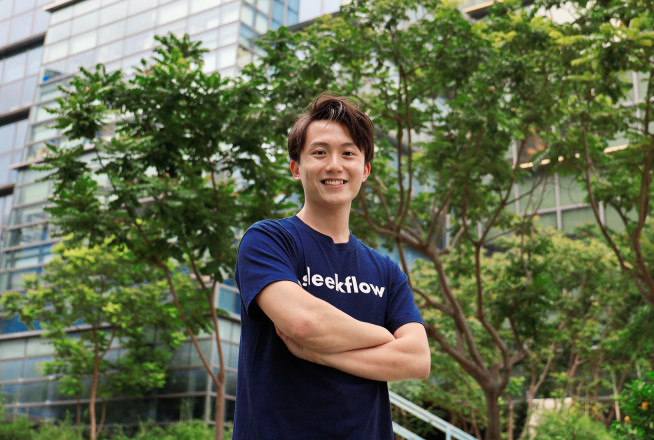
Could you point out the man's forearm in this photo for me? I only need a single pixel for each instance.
(406, 357)
(316, 324)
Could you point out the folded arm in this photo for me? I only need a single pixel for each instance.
(407, 356)
(315, 324)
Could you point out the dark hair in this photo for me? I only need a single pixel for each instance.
(337, 109)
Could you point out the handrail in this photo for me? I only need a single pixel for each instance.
(405, 433)
(451, 431)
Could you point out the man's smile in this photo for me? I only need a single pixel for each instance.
(334, 182)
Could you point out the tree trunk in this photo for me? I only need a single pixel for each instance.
(494, 428)
(509, 428)
(94, 390)
(79, 411)
(220, 410)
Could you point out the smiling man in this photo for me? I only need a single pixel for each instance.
(326, 320)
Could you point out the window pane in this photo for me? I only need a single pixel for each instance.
(111, 32)
(37, 346)
(229, 12)
(264, 5)
(10, 96)
(278, 12)
(7, 133)
(141, 22)
(569, 191)
(59, 32)
(227, 34)
(11, 370)
(574, 218)
(28, 235)
(28, 214)
(114, 12)
(21, 26)
(85, 22)
(291, 17)
(61, 15)
(5, 161)
(204, 21)
(139, 42)
(109, 52)
(29, 87)
(34, 392)
(21, 134)
(34, 367)
(32, 193)
(172, 12)
(83, 42)
(261, 25)
(5, 9)
(56, 51)
(14, 67)
(34, 61)
(201, 5)
(247, 15)
(141, 5)
(226, 57)
(12, 349)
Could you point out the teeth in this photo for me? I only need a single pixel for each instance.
(334, 182)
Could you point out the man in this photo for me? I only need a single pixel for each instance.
(326, 321)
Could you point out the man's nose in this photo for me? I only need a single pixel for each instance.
(334, 163)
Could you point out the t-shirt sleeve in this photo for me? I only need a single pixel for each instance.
(401, 308)
(266, 254)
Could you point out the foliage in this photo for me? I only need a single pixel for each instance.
(189, 430)
(566, 424)
(187, 168)
(447, 97)
(22, 429)
(636, 402)
(19, 428)
(101, 295)
(604, 136)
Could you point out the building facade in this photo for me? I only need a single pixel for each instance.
(42, 45)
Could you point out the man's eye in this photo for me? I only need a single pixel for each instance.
(349, 153)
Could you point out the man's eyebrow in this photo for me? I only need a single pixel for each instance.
(325, 144)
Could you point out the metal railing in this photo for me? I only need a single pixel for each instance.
(451, 431)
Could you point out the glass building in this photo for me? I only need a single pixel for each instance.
(43, 43)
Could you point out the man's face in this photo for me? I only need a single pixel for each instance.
(331, 166)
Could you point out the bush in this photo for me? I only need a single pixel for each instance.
(191, 430)
(569, 424)
(637, 403)
(17, 429)
(59, 431)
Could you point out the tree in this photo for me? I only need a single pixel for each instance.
(448, 99)
(605, 137)
(187, 168)
(88, 299)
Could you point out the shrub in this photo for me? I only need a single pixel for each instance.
(17, 429)
(637, 403)
(569, 424)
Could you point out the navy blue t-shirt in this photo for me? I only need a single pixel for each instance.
(280, 396)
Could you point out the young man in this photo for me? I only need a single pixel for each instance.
(326, 321)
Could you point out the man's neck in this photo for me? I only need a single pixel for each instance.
(332, 222)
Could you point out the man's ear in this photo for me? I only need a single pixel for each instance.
(366, 171)
(295, 170)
